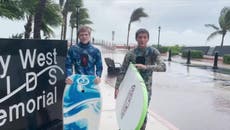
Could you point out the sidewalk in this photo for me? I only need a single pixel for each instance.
(108, 116)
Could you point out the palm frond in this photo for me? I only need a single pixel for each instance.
(29, 6)
(10, 9)
(17, 36)
(70, 5)
(224, 19)
(212, 35)
(227, 19)
(83, 13)
(83, 18)
(212, 26)
(137, 14)
(47, 31)
(224, 23)
(52, 15)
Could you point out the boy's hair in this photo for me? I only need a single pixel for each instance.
(84, 29)
(142, 30)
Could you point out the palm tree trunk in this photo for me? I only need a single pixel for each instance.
(222, 39)
(128, 35)
(65, 25)
(38, 19)
(28, 27)
(71, 35)
(62, 28)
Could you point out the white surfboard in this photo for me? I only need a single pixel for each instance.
(132, 101)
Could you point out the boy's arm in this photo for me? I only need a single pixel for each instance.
(99, 66)
(159, 65)
(69, 62)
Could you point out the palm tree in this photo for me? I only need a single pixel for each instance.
(51, 17)
(67, 6)
(224, 22)
(19, 10)
(27, 9)
(38, 18)
(135, 16)
(83, 19)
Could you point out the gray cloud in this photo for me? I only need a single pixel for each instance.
(182, 19)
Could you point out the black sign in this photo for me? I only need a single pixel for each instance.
(31, 84)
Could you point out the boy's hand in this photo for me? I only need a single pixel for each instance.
(140, 66)
(97, 80)
(68, 81)
(116, 93)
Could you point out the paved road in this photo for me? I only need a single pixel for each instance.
(192, 98)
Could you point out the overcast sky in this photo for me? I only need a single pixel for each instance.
(182, 21)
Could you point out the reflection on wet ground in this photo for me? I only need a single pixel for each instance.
(192, 98)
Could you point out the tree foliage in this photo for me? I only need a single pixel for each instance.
(224, 23)
(136, 15)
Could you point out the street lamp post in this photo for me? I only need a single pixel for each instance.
(113, 33)
(77, 24)
(158, 44)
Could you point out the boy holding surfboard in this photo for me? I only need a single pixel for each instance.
(84, 56)
(82, 98)
(146, 59)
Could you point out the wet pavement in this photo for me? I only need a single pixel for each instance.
(191, 98)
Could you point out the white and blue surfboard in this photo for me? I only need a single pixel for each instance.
(132, 101)
(81, 104)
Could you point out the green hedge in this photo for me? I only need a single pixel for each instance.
(163, 49)
(174, 53)
(175, 49)
(194, 54)
(226, 59)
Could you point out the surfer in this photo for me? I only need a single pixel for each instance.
(85, 58)
(146, 59)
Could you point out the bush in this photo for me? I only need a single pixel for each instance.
(194, 54)
(174, 53)
(163, 49)
(226, 59)
(175, 49)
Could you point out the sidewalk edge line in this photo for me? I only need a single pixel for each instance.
(162, 120)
